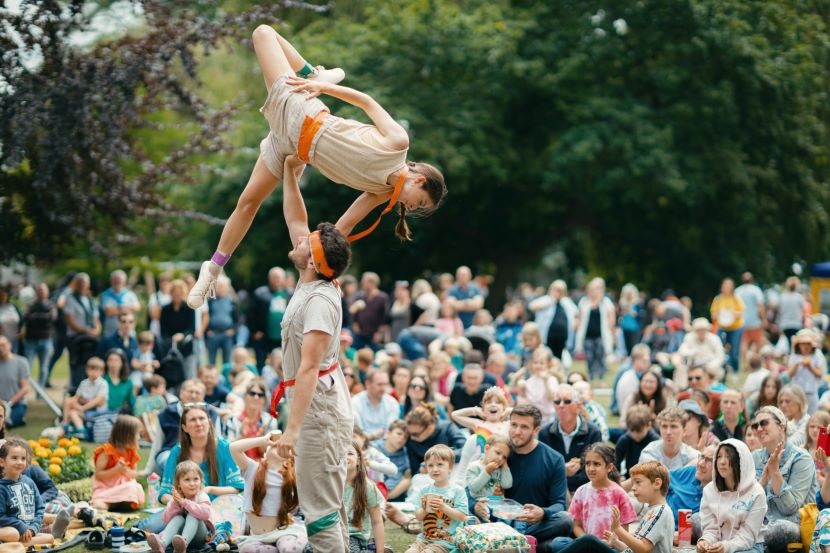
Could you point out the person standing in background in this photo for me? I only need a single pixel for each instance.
(40, 325)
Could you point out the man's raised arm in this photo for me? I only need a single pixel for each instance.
(293, 207)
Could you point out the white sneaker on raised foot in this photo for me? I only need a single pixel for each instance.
(333, 75)
(205, 285)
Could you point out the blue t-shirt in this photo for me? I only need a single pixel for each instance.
(229, 474)
(539, 478)
(469, 292)
(685, 492)
(438, 527)
(401, 460)
(222, 314)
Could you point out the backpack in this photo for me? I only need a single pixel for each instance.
(171, 367)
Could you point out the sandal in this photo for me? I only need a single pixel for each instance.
(95, 539)
(411, 526)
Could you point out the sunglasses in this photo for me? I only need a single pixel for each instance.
(562, 401)
(194, 404)
(417, 387)
(763, 423)
(256, 394)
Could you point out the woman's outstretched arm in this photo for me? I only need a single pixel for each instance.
(360, 208)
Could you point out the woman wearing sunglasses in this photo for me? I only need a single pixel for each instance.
(786, 472)
(418, 392)
(254, 421)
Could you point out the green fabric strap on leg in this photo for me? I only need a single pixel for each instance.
(322, 523)
(306, 70)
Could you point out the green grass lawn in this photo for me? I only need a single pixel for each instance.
(39, 417)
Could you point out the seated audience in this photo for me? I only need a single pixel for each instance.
(374, 409)
(731, 420)
(425, 431)
(686, 483)
(254, 420)
(639, 435)
(670, 449)
(793, 403)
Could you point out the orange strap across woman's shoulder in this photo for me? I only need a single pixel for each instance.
(392, 201)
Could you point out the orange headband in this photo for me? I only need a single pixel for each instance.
(321, 265)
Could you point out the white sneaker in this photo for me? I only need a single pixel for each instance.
(333, 75)
(205, 286)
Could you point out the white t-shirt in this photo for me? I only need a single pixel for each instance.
(654, 452)
(657, 526)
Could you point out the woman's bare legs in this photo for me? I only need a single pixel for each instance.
(276, 57)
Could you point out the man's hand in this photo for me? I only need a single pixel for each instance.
(531, 514)
(295, 165)
(481, 510)
(572, 466)
(312, 88)
(287, 443)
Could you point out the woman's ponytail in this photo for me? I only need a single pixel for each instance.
(402, 229)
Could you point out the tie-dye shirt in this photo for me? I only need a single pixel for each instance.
(592, 507)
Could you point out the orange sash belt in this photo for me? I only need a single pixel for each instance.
(311, 126)
(279, 391)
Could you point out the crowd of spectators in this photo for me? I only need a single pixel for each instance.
(420, 362)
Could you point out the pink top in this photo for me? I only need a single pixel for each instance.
(592, 507)
(199, 508)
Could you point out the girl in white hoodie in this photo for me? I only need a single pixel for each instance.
(734, 503)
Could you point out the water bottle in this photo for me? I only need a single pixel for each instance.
(117, 537)
(153, 491)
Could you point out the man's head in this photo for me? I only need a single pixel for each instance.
(567, 404)
(333, 252)
(42, 291)
(463, 275)
(276, 278)
(497, 363)
(703, 469)
(699, 378)
(126, 324)
(701, 327)
(472, 377)
(377, 382)
(369, 282)
(640, 358)
(209, 376)
(525, 423)
(192, 391)
(396, 436)
(731, 404)
(671, 421)
(80, 283)
(5, 348)
(118, 279)
(747, 278)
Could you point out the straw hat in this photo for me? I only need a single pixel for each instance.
(804, 336)
(701, 323)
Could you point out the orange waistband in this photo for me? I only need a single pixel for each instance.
(311, 126)
(279, 391)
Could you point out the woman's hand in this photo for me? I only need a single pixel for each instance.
(311, 88)
(774, 461)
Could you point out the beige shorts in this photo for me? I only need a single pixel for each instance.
(285, 111)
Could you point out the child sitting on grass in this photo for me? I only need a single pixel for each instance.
(92, 394)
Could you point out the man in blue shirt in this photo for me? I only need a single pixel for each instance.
(466, 295)
(539, 479)
(686, 484)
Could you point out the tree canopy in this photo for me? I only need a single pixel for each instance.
(668, 143)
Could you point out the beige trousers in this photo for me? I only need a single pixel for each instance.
(325, 437)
